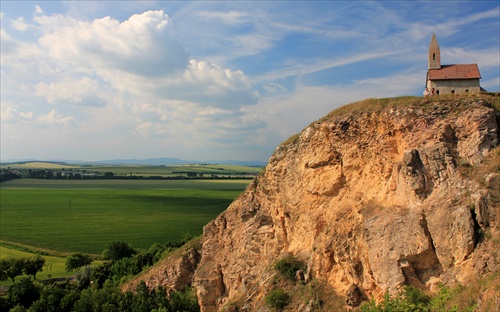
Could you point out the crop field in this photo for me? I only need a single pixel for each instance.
(64, 216)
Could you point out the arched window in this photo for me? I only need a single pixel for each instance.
(434, 56)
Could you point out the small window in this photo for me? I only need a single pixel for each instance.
(437, 92)
(434, 56)
(467, 90)
(452, 91)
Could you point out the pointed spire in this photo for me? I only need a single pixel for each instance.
(434, 60)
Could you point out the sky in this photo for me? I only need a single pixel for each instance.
(214, 80)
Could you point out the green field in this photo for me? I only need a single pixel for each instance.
(86, 215)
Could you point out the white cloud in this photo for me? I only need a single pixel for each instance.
(8, 112)
(231, 17)
(11, 114)
(75, 92)
(141, 45)
(138, 57)
(28, 115)
(38, 10)
(53, 119)
(300, 69)
(484, 58)
(20, 24)
(273, 87)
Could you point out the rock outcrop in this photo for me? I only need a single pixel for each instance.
(173, 273)
(369, 199)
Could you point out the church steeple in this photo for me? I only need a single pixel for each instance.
(434, 60)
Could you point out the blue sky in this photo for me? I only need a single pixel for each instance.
(203, 80)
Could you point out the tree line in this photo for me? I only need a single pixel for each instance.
(13, 267)
(16, 173)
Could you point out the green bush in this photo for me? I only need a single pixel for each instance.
(288, 266)
(277, 299)
(410, 300)
(118, 250)
(77, 260)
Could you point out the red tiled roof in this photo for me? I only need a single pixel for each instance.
(456, 71)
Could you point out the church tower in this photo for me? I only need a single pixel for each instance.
(434, 60)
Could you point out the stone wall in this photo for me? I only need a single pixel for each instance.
(454, 86)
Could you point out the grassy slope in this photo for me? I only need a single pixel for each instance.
(378, 104)
(54, 266)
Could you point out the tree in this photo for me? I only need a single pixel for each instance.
(4, 264)
(77, 260)
(23, 292)
(118, 250)
(101, 273)
(50, 298)
(14, 267)
(83, 277)
(33, 265)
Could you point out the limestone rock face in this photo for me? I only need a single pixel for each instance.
(370, 201)
(175, 273)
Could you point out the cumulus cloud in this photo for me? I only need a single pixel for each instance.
(20, 24)
(12, 115)
(135, 73)
(76, 92)
(54, 119)
(8, 112)
(139, 57)
(204, 82)
(141, 45)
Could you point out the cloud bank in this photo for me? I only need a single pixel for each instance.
(134, 69)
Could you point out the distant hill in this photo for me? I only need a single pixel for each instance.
(177, 161)
(148, 161)
(163, 161)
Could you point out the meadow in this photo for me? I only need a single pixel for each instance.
(64, 216)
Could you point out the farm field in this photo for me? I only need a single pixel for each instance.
(64, 216)
(143, 171)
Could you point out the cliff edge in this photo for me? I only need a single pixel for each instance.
(375, 195)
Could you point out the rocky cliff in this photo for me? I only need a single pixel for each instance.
(373, 196)
(377, 194)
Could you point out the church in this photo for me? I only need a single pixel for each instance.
(450, 79)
